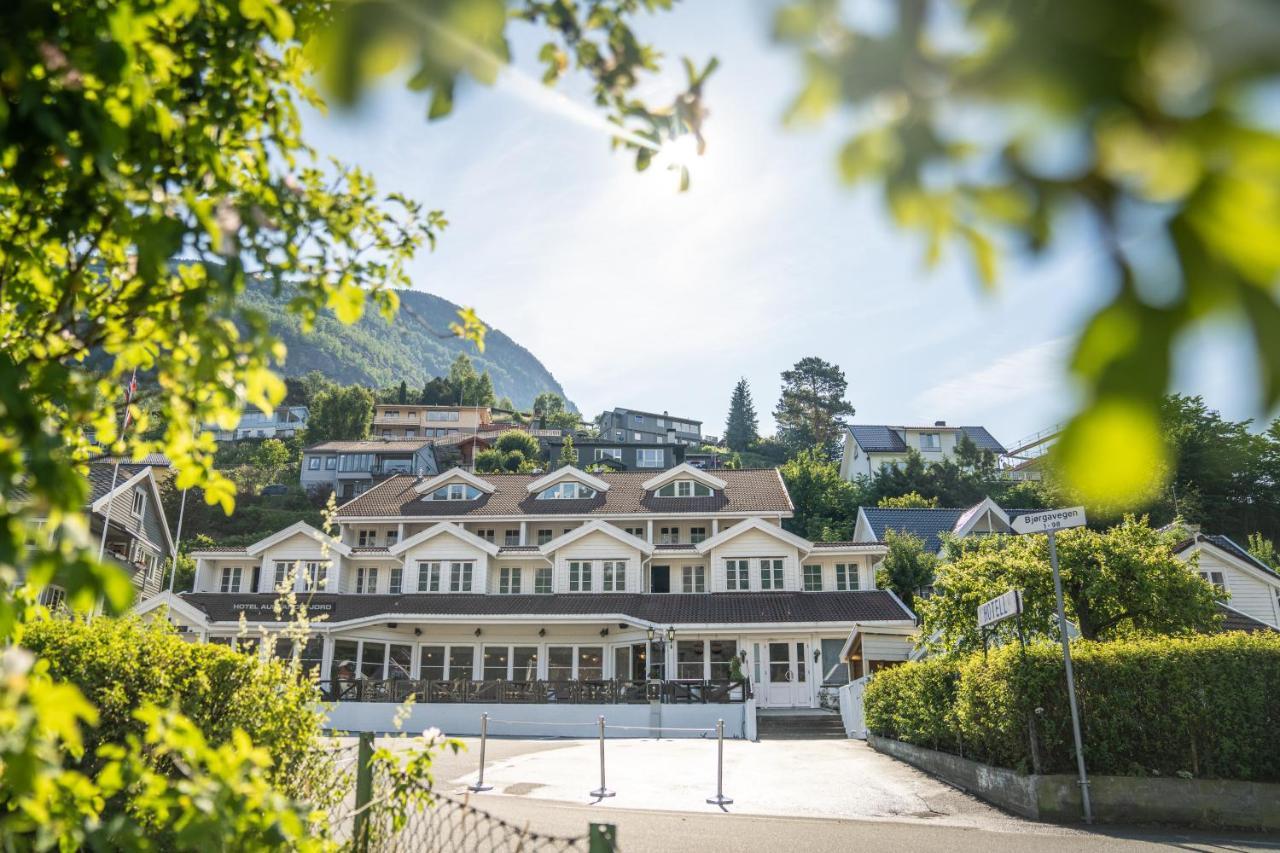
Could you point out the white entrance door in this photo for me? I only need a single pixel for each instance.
(786, 674)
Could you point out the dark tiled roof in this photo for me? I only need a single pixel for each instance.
(924, 523)
(1226, 543)
(152, 460)
(878, 439)
(753, 490)
(100, 474)
(518, 548)
(368, 549)
(695, 609)
(845, 544)
(1234, 620)
(985, 440)
(658, 415)
(402, 445)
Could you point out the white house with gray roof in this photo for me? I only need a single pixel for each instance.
(868, 446)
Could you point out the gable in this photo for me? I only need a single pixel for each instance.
(599, 531)
(444, 532)
(299, 528)
(755, 533)
(454, 475)
(684, 471)
(568, 472)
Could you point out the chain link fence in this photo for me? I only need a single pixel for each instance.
(367, 816)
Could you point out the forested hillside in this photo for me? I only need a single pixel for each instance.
(375, 353)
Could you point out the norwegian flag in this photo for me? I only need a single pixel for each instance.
(128, 400)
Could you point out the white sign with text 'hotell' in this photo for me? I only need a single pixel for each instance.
(1048, 520)
(1000, 608)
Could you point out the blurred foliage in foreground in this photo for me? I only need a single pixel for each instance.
(961, 111)
(133, 134)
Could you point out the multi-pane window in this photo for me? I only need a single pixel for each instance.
(396, 585)
(637, 532)
(460, 576)
(511, 538)
(544, 536)
(685, 489)
(393, 536)
(486, 534)
(1215, 578)
(930, 441)
(313, 463)
(648, 457)
(542, 581)
(230, 579)
(284, 568)
(428, 576)
(669, 536)
(366, 538)
(318, 574)
(441, 415)
(509, 581)
(609, 453)
(847, 576)
(737, 575)
(579, 576)
(614, 575)
(139, 502)
(694, 579)
(771, 574)
(455, 492)
(697, 534)
(366, 580)
(567, 491)
(813, 578)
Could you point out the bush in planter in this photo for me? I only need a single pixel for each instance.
(1206, 706)
(122, 665)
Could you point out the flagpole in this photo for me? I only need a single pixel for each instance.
(115, 472)
(177, 541)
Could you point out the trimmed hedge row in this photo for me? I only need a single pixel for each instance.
(1205, 706)
(120, 664)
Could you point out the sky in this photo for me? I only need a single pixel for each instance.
(638, 296)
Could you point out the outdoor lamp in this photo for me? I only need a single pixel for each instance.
(742, 655)
(604, 632)
(542, 632)
(817, 653)
(650, 632)
(478, 632)
(671, 634)
(417, 632)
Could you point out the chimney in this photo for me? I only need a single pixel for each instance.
(939, 423)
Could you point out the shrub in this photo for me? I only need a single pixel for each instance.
(1208, 706)
(122, 665)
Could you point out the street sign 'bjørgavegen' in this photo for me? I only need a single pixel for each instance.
(1048, 520)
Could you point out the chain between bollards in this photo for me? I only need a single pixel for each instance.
(602, 792)
(484, 739)
(719, 799)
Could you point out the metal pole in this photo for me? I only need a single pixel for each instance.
(106, 523)
(602, 792)
(484, 738)
(719, 799)
(177, 541)
(364, 791)
(1071, 681)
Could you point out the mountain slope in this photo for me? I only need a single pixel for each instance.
(374, 352)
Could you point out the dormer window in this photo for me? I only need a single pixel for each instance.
(455, 492)
(567, 491)
(685, 489)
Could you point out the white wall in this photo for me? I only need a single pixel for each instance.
(1249, 594)
(445, 547)
(754, 545)
(596, 547)
(577, 721)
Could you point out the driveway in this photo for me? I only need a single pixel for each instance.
(842, 779)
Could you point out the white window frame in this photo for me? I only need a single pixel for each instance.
(737, 575)
(429, 574)
(366, 580)
(543, 581)
(848, 577)
(771, 574)
(693, 579)
(282, 570)
(313, 463)
(809, 573)
(462, 574)
(317, 575)
(395, 583)
(580, 579)
(613, 576)
(931, 441)
(509, 580)
(229, 578)
(139, 505)
(366, 538)
(697, 535)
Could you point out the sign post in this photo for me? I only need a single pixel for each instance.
(1050, 522)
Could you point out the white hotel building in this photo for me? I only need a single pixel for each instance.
(626, 587)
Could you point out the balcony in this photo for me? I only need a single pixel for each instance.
(606, 692)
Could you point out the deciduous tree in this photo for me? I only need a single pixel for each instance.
(555, 414)
(344, 414)
(826, 505)
(908, 567)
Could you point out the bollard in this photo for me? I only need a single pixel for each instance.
(484, 738)
(601, 792)
(719, 799)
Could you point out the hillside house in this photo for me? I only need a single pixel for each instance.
(868, 446)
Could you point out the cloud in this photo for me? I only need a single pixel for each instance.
(1036, 370)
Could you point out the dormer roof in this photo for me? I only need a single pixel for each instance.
(684, 471)
(568, 472)
(444, 527)
(257, 548)
(590, 527)
(454, 475)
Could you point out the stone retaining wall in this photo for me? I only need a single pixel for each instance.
(1207, 803)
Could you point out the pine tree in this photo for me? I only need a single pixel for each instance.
(810, 408)
(402, 395)
(483, 395)
(740, 431)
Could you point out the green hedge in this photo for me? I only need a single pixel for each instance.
(1208, 706)
(119, 664)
